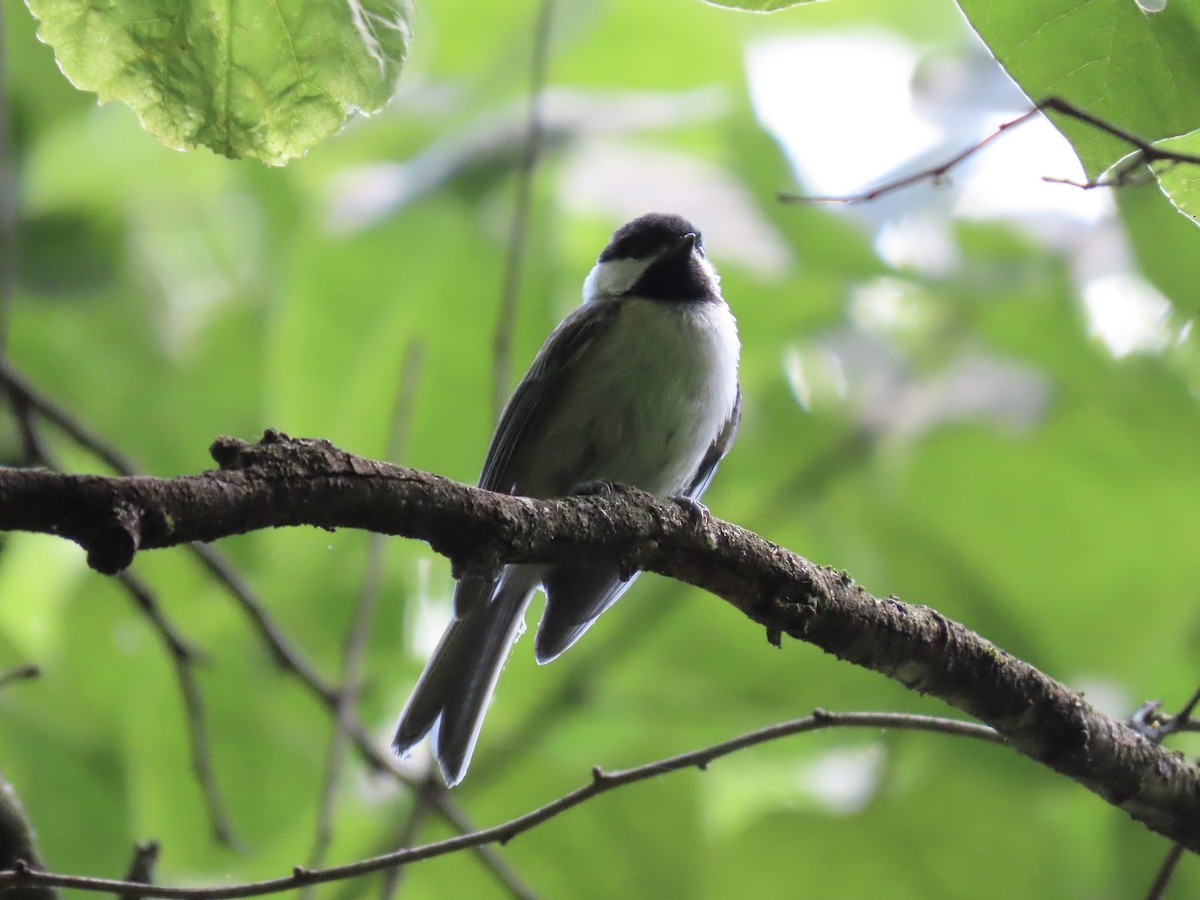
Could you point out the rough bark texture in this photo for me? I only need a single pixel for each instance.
(283, 482)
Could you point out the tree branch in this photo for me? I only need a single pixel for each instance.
(20, 673)
(17, 845)
(601, 782)
(282, 482)
(141, 868)
(1130, 170)
(184, 657)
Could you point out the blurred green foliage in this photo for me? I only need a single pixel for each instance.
(167, 298)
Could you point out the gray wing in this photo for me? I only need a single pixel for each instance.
(716, 452)
(577, 595)
(524, 418)
(535, 399)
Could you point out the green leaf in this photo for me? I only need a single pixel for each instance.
(243, 79)
(1181, 183)
(1138, 70)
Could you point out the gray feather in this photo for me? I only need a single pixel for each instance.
(575, 597)
(453, 692)
(724, 441)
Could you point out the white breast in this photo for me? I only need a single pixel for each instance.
(653, 394)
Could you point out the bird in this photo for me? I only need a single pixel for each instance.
(637, 386)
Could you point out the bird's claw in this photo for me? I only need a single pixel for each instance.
(598, 487)
(1152, 723)
(696, 511)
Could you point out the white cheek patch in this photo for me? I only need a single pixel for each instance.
(613, 277)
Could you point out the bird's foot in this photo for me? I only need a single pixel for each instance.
(696, 511)
(599, 487)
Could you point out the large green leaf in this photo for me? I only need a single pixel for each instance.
(1138, 70)
(265, 81)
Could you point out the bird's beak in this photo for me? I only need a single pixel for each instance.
(684, 248)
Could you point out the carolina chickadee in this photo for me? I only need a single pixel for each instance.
(637, 386)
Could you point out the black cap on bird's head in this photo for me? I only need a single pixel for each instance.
(659, 256)
(647, 236)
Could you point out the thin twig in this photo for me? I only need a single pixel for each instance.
(1127, 172)
(347, 725)
(422, 794)
(555, 707)
(20, 673)
(1162, 877)
(141, 867)
(18, 844)
(376, 759)
(408, 834)
(601, 782)
(182, 654)
(490, 857)
(143, 597)
(355, 644)
(183, 658)
(33, 446)
(1184, 716)
(433, 795)
(25, 397)
(19, 387)
(344, 718)
(502, 338)
(1157, 728)
(934, 174)
(286, 657)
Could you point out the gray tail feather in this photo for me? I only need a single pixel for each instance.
(452, 693)
(575, 597)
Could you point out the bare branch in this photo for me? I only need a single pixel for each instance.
(408, 834)
(1184, 716)
(183, 658)
(281, 481)
(20, 673)
(285, 655)
(141, 867)
(182, 654)
(17, 845)
(29, 401)
(22, 392)
(1162, 877)
(568, 698)
(1129, 171)
(26, 399)
(355, 644)
(600, 783)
